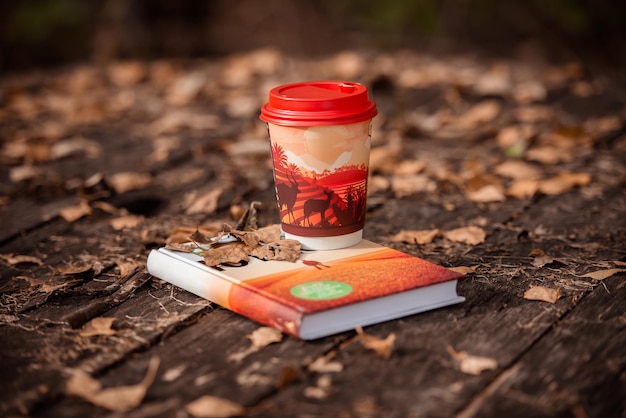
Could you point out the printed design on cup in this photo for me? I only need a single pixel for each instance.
(320, 175)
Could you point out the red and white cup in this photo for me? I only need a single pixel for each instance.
(320, 134)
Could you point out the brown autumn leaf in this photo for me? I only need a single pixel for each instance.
(205, 203)
(549, 154)
(13, 260)
(419, 237)
(231, 253)
(129, 180)
(564, 182)
(214, 407)
(543, 294)
(463, 269)
(24, 172)
(72, 268)
(382, 347)
(270, 233)
(523, 189)
(118, 399)
(126, 221)
(127, 266)
(321, 390)
(98, 326)
(479, 114)
(75, 212)
(603, 274)
(409, 184)
(325, 364)
(75, 146)
(264, 336)
(471, 364)
(517, 170)
(540, 258)
(471, 235)
(282, 250)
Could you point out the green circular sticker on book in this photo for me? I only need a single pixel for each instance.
(321, 290)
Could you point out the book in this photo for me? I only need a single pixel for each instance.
(322, 293)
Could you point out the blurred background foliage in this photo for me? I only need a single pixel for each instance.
(40, 33)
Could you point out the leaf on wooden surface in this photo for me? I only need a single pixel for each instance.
(73, 268)
(321, 390)
(471, 364)
(382, 347)
(564, 182)
(127, 266)
(13, 260)
(523, 189)
(98, 326)
(471, 235)
(214, 407)
(264, 336)
(282, 250)
(602, 274)
(412, 236)
(260, 338)
(517, 170)
(205, 203)
(325, 364)
(75, 212)
(120, 398)
(540, 258)
(126, 221)
(543, 294)
(463, 269)
(129, 180)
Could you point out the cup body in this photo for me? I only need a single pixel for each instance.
(320, 176)
(320, 136)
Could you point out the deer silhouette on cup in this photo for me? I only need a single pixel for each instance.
(287, 195)
(313, 206)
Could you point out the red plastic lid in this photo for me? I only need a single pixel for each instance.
(315, 103)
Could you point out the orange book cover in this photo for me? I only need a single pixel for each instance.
(322, 293)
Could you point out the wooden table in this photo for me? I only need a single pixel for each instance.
(74, 236)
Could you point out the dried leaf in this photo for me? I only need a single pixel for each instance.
(470, 364)
(463, 269)
(471, 235)
(248, 221)
(540, 258)
(479, 114)
(602, 274)
(182, 247)
(321, 390)
(270, 233)
(127, 221)
(207, 203)
(564, 182)
(126, 267)
(75, 146)
(98, 326)
(232, 253)
(419, 237)
(487, 194)
(523, 189)
(73, 268)
(75, 212)
(283, 250)
(24, 172)
(543, 294)
(324, 364)
(264, 336)
(213, 407)
(13, 260)
(517, 170)
(127, 181)
(119, 399)
(382, 347)
(407, 185)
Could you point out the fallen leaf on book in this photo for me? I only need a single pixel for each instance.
(470, 364)
(98, 326)
(120, 398)
(214, 407)
(543, 294)
(382, 347)
(283, 250)
(602, 274)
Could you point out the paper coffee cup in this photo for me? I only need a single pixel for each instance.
(320, 141)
